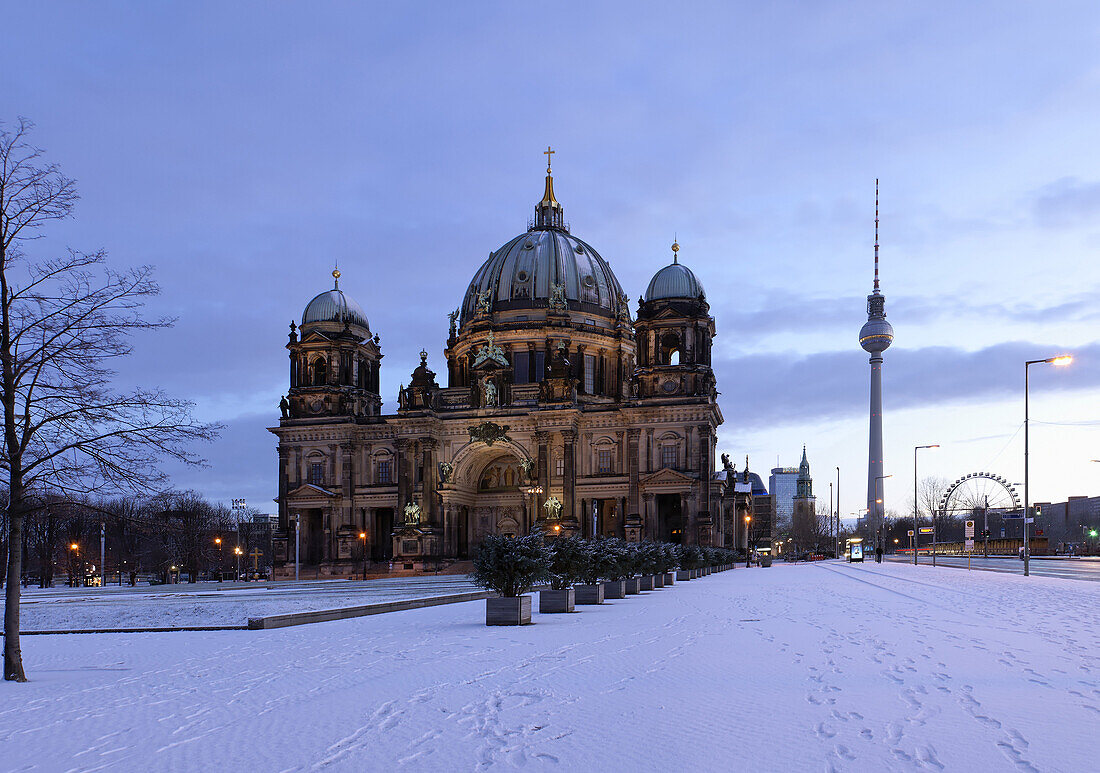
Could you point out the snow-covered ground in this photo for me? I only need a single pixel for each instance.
(206, 604)
(806, 667)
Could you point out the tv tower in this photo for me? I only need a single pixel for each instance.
(875, 337)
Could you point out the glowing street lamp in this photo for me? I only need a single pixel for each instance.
(748, 553)
(237, 551)
(1060, 361)
(218, 542)
(363, 539)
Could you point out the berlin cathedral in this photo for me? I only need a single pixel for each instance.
(561, 413)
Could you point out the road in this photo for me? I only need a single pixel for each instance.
(1065, 568)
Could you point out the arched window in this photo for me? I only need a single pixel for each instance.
(320, 371)
(674, 357)
(670, 349)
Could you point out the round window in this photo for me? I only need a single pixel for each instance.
(522, 276)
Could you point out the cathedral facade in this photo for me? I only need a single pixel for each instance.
(561, 412)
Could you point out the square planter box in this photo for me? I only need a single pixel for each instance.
(589, 594)
(632, 586)
(551, 601)
(508, 610)
(645, 582)
(683, 574)
(670, 578)
(658, 581)
(614, 589)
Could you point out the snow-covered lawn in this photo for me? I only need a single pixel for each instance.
(205, 604)
(810, 667)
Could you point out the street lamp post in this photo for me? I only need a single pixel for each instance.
(75, 548)
(748, 553)
(237, 551)
(363, 539)
(916, 529)
(837, 532)
(218, 542)
(297, 543)
(1061, 360)
(880, 546)
(831, 511)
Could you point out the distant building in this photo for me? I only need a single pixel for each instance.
(1067, 524)
(782, 484)
(804, 520)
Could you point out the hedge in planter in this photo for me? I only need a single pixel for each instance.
(510, 566)
(598, 562)
(567, 563)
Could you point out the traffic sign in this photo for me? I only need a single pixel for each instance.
(969, 545)
(970, 530)
(910, 532)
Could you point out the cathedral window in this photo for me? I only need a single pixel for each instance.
(559, 468)
(674, 357)
(604, 461)
(539, 369)
(589, 374)
(521, 363)
(385, 473)
(320, 370)
(668, 457)
(317, 473)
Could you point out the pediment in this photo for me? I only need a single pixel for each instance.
(315, 337)
(309, 490)
(667, 477)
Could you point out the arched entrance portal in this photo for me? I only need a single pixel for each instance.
(486, 496)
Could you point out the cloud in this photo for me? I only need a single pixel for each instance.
(1066, 202)
(834, 385)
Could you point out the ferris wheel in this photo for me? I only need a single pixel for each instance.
(980, 492)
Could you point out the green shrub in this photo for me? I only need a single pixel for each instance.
(568, 561)
(599, 561)
(511, 565)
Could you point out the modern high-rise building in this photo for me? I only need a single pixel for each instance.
(875, 337)
(783, 483)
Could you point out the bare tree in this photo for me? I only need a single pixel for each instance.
(63, 322)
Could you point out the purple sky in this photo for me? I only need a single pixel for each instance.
(243, 151)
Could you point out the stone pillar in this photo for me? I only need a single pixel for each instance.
(687, 519)
(542, 440)
(569, 506)
(332, 480)
(347, 458)
(650, 517)
(401, 451)
(706, 468)
(431, 507)
(284, 486)
(633, 506)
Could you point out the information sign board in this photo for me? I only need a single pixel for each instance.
(969, 530)
(970, 546)
(925, 529)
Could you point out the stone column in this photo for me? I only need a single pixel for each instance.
(348, 480)
(650, 518)
(284, 486)
(633, 507)
(401, 451)
(431, 507)
(569, 506)
(687, 519)
(706, 468)
(542, 440)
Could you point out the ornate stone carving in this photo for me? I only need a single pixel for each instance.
(484, 302)
(488, 393)
(412, 514)
(528, 466)
(490, 352)
(553, 508)
(489, 432)
(446, 470)
(557, 297)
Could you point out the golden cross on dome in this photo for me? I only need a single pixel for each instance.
(548, 153)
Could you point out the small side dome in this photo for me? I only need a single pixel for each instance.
(674, 281)
(334, 306)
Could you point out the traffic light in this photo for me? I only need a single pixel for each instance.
(1038, 532)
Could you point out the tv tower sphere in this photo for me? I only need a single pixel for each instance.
(876, 335)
